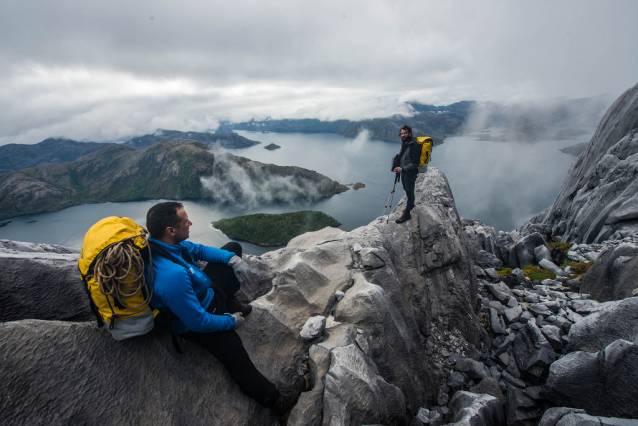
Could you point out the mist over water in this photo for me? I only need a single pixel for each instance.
(501, 183)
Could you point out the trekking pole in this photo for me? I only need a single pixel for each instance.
(396, 179)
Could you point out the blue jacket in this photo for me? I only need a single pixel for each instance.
(181, 287)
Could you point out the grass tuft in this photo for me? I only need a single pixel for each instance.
(504, 271)
(564, 247)
(535, 272)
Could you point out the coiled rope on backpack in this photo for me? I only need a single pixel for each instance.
(119, 272)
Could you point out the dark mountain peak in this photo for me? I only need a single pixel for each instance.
(226, 140)
(14, 157)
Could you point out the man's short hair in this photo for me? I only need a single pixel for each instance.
(406, 127)
(161, 216)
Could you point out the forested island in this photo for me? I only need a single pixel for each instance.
(269, 230)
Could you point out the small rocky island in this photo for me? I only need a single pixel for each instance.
(270, 230)
(272, 147)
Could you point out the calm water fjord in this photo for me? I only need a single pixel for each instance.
(501, 183)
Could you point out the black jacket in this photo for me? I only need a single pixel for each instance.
(410, 155)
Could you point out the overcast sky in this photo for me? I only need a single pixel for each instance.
(106, 69)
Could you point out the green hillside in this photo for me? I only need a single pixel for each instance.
(173, 169)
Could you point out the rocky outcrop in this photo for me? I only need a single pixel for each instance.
(598, 372)
(598, 199)
(41, 281)
(61, 373)
(614, 275)
(602, 383)
(388, 295)
(562, 416)
(476, 409)
(606, 324)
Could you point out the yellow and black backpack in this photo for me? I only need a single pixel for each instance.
(112, 268)
(426, 143)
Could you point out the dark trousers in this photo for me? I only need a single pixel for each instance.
(409, 180)
(226, 346)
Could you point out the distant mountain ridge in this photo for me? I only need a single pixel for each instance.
(225, 139)
(431, 120)
(173, 169)
(14, 157)
(525, 122)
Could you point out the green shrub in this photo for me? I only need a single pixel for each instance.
(535, 272)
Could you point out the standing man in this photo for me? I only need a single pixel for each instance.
(203, 303)
(408, 167)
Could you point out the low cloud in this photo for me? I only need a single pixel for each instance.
(557, 119)
(252, 185)
(358, 143)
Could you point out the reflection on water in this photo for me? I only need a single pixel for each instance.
(502, 184)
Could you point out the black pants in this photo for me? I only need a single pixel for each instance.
(409, 180)
(226, 346)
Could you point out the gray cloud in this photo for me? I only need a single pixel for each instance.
(252, 186)
(104, 70)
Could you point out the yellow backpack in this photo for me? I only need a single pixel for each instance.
(112, 268)
(426, 143)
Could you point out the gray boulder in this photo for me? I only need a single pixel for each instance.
(473, 369)
(500, 291)
(612, 321)
(563, 416)
(542, 252)
(599, 196)
(550, 266)
(521, 409)
(313, 328)
(470, 409)
(489, 385)
(526, 246)
(73, 373)
(602, 383)
(353, 378)
(614, 275)
(41, 281)
(488, 260)
(533, 352)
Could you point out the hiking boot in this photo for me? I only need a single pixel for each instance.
(288, 398)
(404, 217)
(233, 305)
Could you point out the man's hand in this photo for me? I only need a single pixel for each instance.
(240, 268)
(397, 170)
(239, 320)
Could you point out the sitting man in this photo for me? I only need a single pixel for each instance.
(203, 303)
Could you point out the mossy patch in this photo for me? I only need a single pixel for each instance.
(580, 268)
(564, 247)
(535, 272)
(504, 271)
